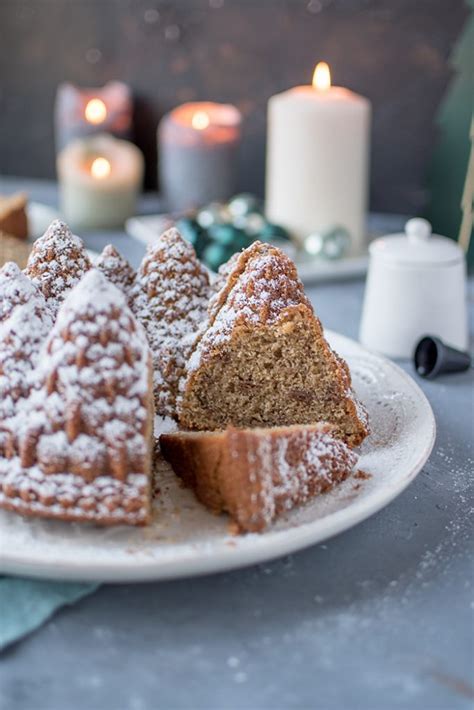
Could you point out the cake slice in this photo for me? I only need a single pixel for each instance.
(81, 449)
(57, 262)
(170, 298)
(116, 268)
(13, 218)
(258, 474)
(263, 359)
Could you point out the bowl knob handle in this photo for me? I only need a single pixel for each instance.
(418, 230)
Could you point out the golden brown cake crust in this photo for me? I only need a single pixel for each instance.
(256, 475)
(263, 360)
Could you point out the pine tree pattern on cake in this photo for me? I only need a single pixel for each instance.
(170, 299)
(116, 268)
(82, 447)
(57, 262)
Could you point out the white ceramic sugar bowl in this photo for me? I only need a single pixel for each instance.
(416, 285)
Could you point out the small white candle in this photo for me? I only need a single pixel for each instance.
(197, 152)
(100, 178)
(318, 159)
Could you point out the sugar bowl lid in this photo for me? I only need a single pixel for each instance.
(417, 247)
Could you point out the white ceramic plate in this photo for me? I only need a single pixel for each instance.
(186, 540)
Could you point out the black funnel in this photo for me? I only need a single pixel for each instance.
(432, 358)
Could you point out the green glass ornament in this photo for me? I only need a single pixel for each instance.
(189, 229)
(226, 234)
(273, 231)
(216, 254)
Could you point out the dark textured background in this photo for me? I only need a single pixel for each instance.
(393, 51)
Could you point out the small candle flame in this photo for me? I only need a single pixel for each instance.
(200, 120)
(100, 168)
(96, 111)
(322, 77)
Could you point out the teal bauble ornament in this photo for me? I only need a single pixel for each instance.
(244, 204)
(215, 254)
(272, 231)
(211, 214)
(189, 229)
(225, 234)
(330, 244)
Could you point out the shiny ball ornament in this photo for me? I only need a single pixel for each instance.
(331, 244)
(190, 230)
(213, 213)
(216, 254)
(273, 231)
(253, 224)
(243, 204)
(223, 234)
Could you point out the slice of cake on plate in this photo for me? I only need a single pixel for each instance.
(170, 299)
(256, 475)
(263, 359)
(57, 262)
(80, 448)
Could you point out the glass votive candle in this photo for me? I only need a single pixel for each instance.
(81, 112)
(99, 181)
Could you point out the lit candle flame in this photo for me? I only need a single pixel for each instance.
(100, 168)
(200, 120)
(322, 77)
(96, 111)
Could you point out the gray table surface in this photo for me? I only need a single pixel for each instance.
(379, 617)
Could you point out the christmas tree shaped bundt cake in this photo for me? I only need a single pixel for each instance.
(170, 299)
(57, 262)
(263, 359)
(116, 268)
(25, 321)
(81, 448)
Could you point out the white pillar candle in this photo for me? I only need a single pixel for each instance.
(318, 159)
(99, 178)
(197, 153)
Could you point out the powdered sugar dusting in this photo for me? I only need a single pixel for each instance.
(57, 262)
(85, 432)
(295, 465)
(267, 286)
(15, 289)
(21, 337)
(116, 268)
(170, 299)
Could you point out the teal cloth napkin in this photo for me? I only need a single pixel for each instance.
(26, 603)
